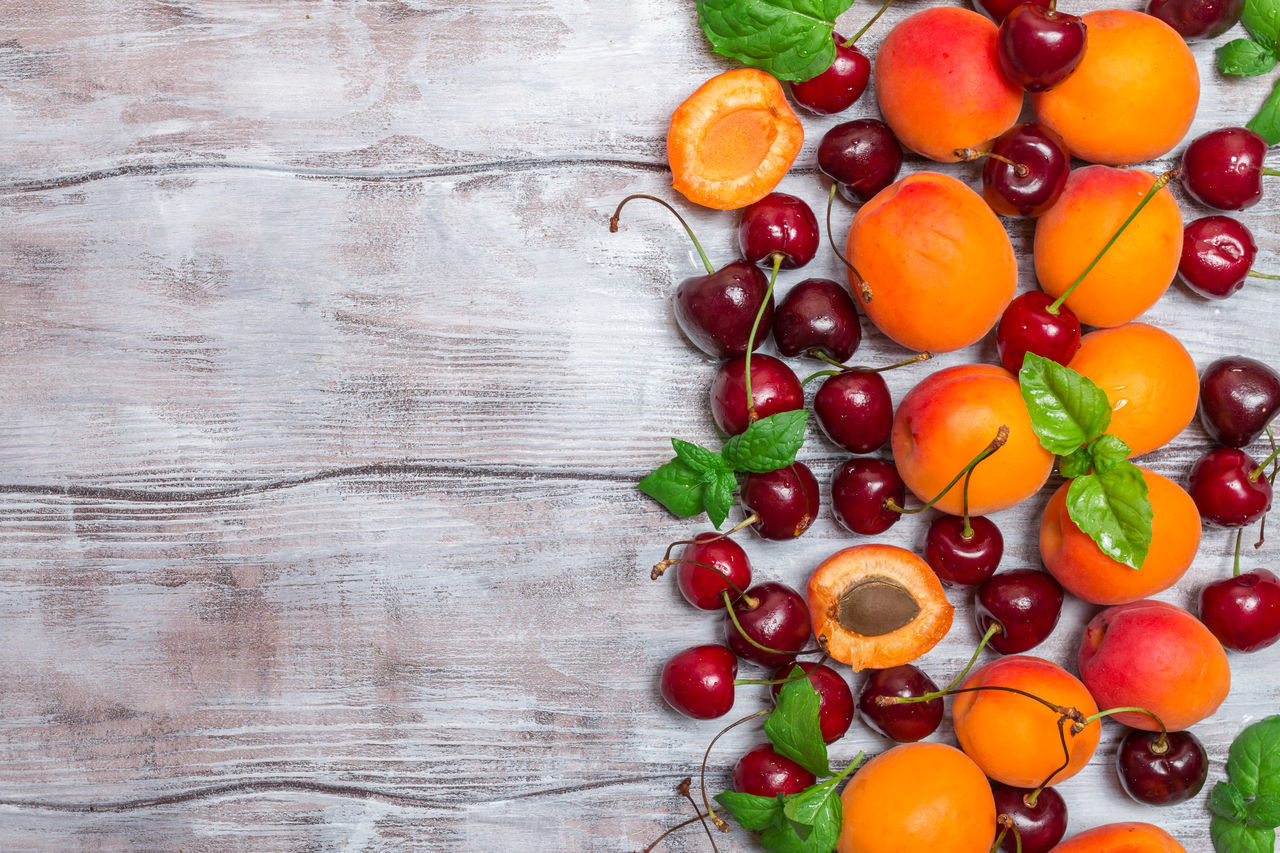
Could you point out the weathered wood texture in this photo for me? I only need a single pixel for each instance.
(325, 388)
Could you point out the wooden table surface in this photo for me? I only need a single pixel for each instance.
(325, 390)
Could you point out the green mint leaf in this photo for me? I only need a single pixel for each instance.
(751, 811)
(1254, 760)
(719, 496)
(768, 444)
(1113, 508)
(790, 39)
(793, 728)
(677, 487)
(1262, 19)
(1227, 801)
(1075, 464)
(819, 802)
(1245, 58)
(1263, 812)
(698, 458)
(1231, 837)
(792, 837)
(1267, 122)
(1067, 410)
(1107, 453)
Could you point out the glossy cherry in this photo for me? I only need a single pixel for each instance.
(907, 722)
(729, 570)
(1026, 603)
(998, 10)
(1243, 612)
(698, 682)
(1028, 326)
(1040, 826)
(774, 388)
(1217, 252)
(779, 224)
(1223, 168)
(1025, 171)
(835, 699)
(772, 615)
(1228, 488)
(784, 502)
(855, 410)
(765, 773)
(817, 316)
(860, 490)
(862, 157)
(1161, 770)
(1038, 48)
(840, 86)
(957, 559)
(1197, 19)
(1238, 398)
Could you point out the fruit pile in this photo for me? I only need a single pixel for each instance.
(931, 265)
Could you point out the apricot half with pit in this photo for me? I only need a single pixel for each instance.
(877, 606)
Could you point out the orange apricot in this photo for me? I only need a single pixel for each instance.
(939, 83)
(1014, 738)
(1133, 95)
(1121, 838)
(1078, 563)
(935, 261)
(732, 140)
(877, 606)
(1149, 379)
(918, 796)
(1135, 271)
(947, 419)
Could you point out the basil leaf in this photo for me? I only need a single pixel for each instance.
(1263, 812)
(1231, 837)
(1227, 801)
(791, 837)
(677, 487)
(1267, 122)
(719, 496)
(1254, 760)
(790, 39)
(1107, 453)
(751, 811)
(1075, 464)
(1067, 410)
(793, 728)
(768, 444)
(1262, 19)
(698, 458)
(1245, 58)
(1113, 508)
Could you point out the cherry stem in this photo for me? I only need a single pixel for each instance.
(1236, 569)
(752, 417)
(1005, 822)
(1257, 472)
(667, 561)
(812, 376)
(1256, 274)
(1146, 197)
(1160, 747)
(867, 25)
(733, 617)
(683, 788)
(970, 154)
(772, 681)
(711, 813)
(1272, 172)
(613, 225)
(1275, 469)
(846, 368)
(991, 632)
(681, 825)
(864, 289)
(1002, 435)
(660, 568)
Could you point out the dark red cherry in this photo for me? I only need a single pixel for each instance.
(1161, 773)
(855, 410)
(772, 615)
(837, 88)
(779, 224)
(785, 501)
(1238, 398)
(1217, 252)
(1025, 602)
(1243, 612)
(957, 560)
(1223, 168)
(1228, 488)
(730, 570)
(862, 157)
(859, 490)
(1041, 826)
(765, 773)
(716, 311)
(909, 721)
(1197, 19)
(1028, 172)
(1039, 48)
(817, 316)
(774, 388)
(998, 10)
(1027, 326)
(698, 682)
(835, 699)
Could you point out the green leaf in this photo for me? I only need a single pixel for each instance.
(1245, 58)
(1227, 801)
(792, 837)
(698, 458)
(1107, 453)
(1267, 122)
(790, 39)
(1067, 410)
(1075, 464)
(1263, 812)
(719, 496)
(793, 727)
(1262, 19)
(1231, 837)
(1254, 760)
(677, 487)
(1113, 508)
(768, 444)
(819, 802)
(751, 811)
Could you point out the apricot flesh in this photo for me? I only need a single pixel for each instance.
(1121, 838)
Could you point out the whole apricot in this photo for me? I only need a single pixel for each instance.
(1133, 95)
(1121, 838)
(947, 419)
(918, 796)
(1079, 565)
(1139, 266)
(1153, 655)
(1014, 738)
(939, 83)
(1149, 379)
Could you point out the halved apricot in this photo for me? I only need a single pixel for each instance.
(877, 606)
(732, 141)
